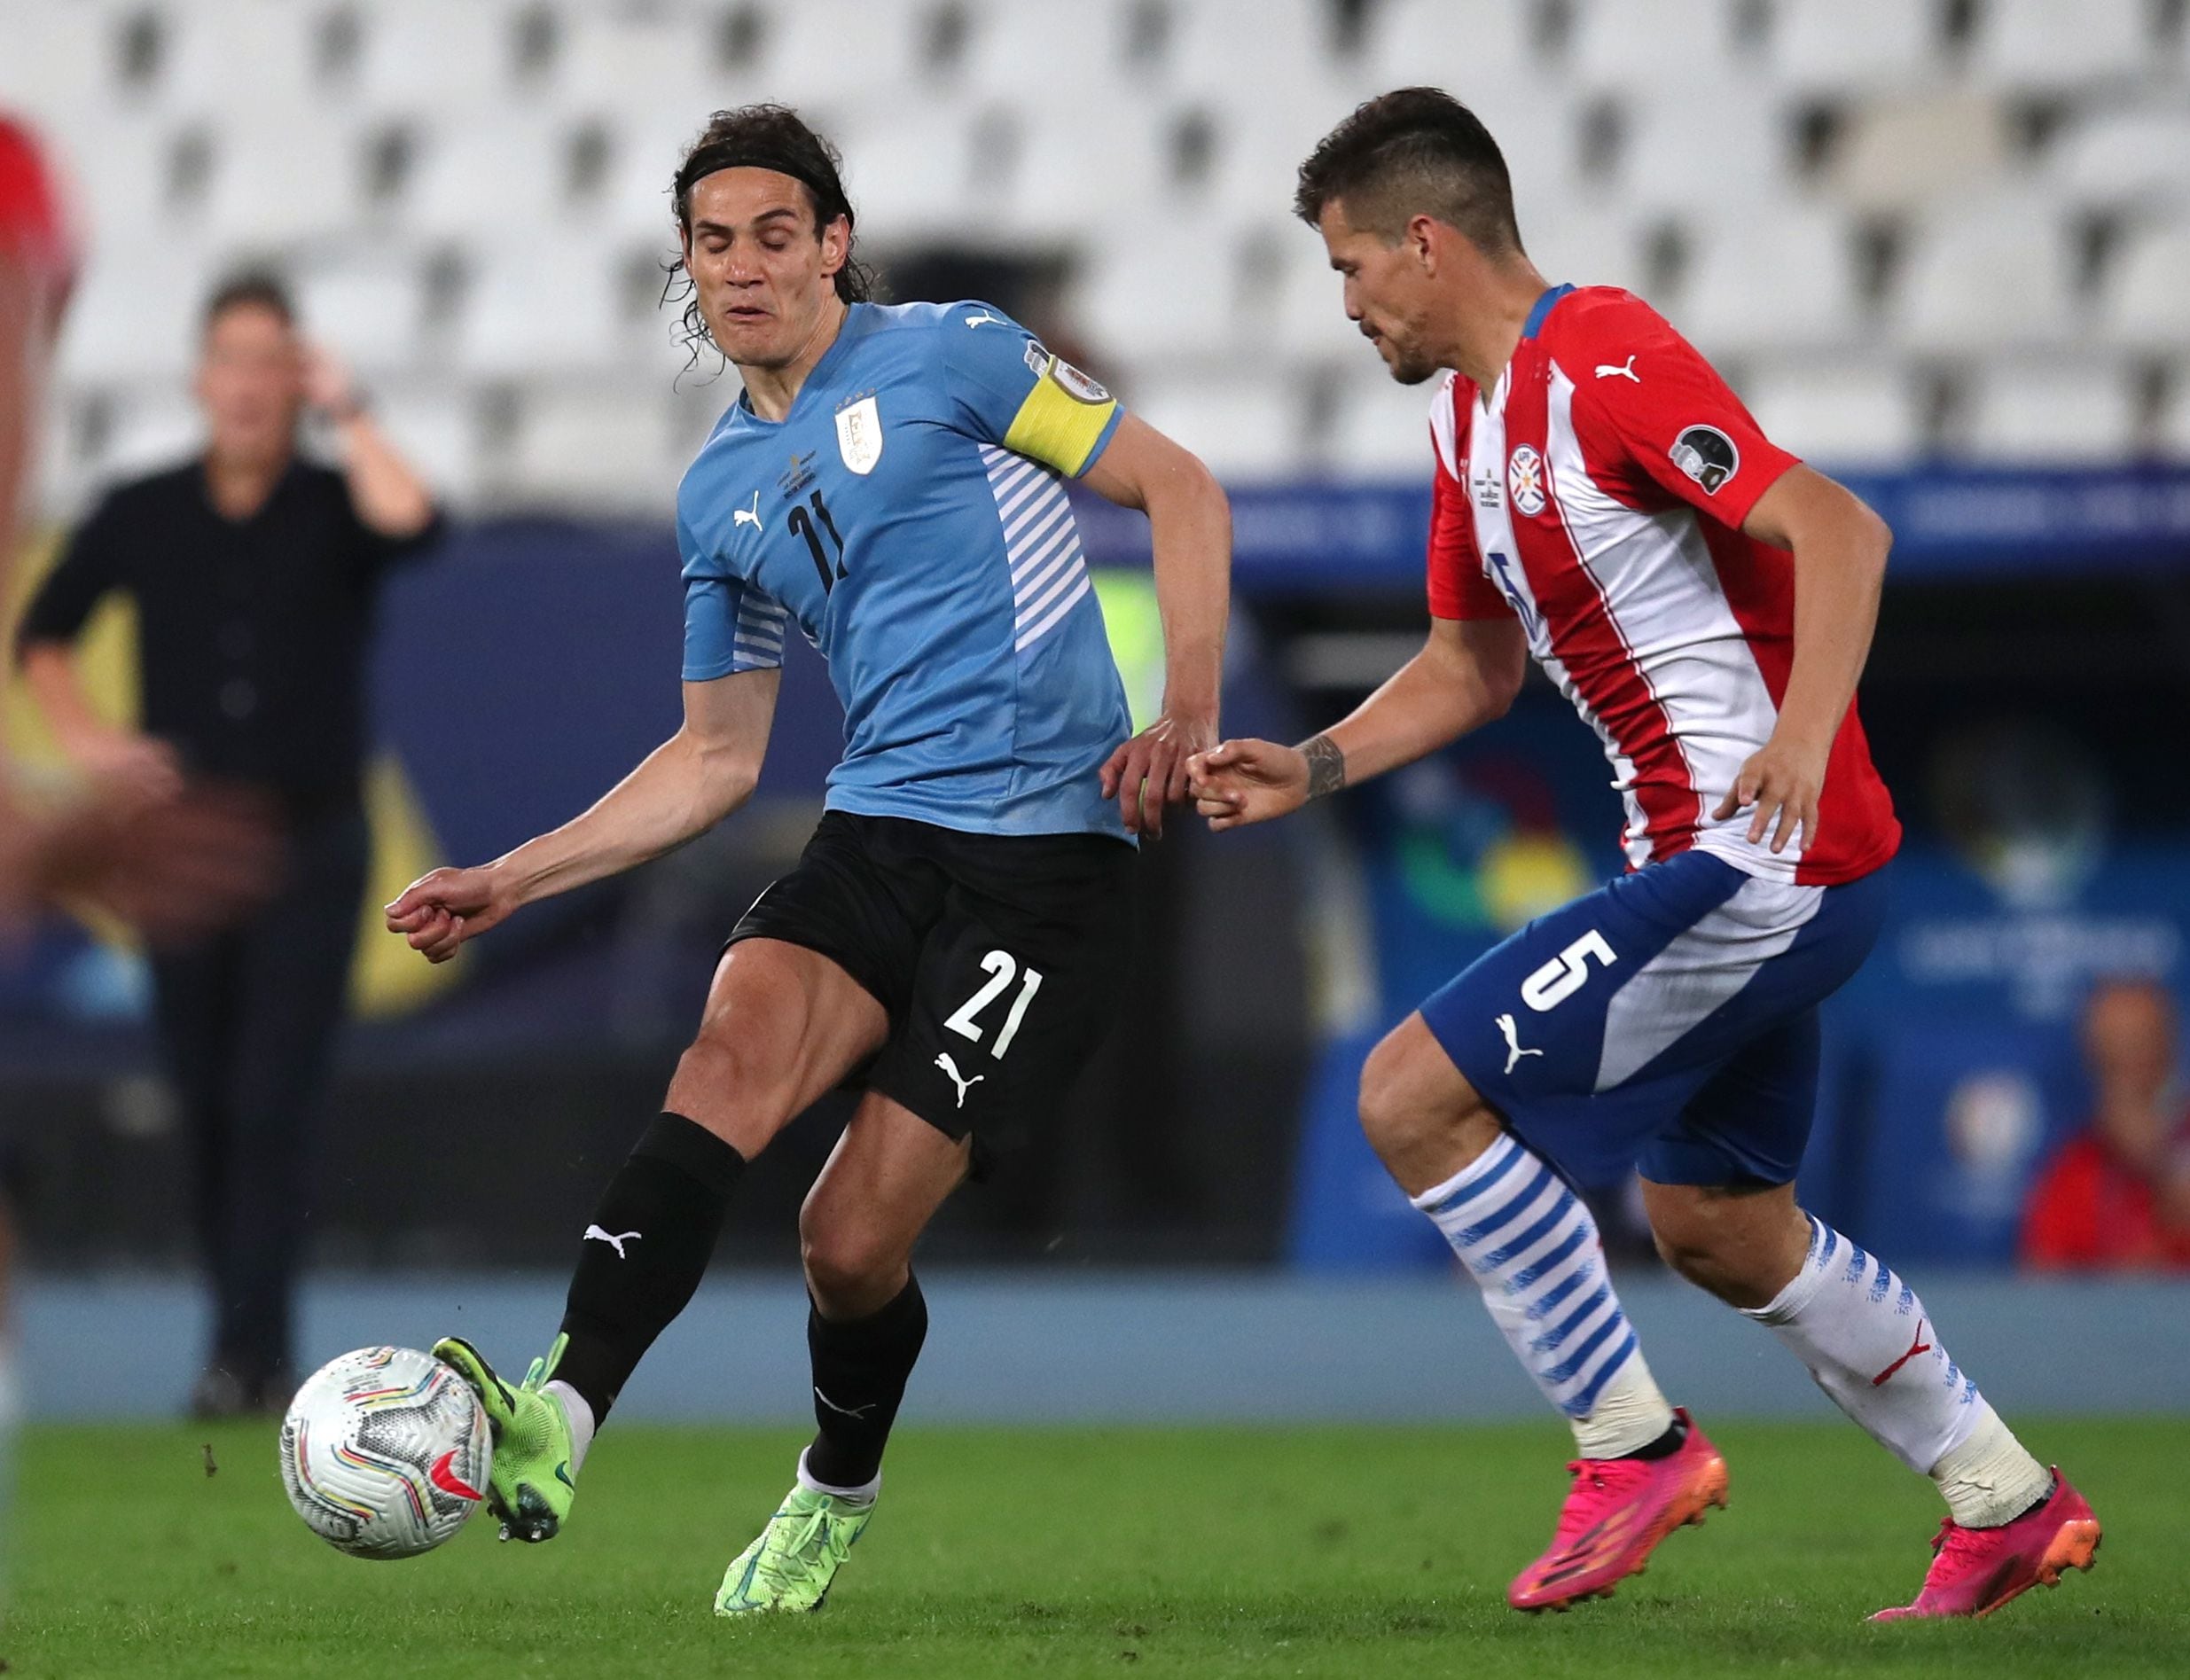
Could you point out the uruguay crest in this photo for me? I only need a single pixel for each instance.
(859, 434)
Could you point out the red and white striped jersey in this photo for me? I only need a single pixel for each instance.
(1597, 492)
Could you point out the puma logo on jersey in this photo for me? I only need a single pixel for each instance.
(1625, 370)
(986, 319)
(950, 1072)
(1513, 1051)
(748, 515)
(595, 1234)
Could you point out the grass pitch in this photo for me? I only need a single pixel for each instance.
(1208, 1553)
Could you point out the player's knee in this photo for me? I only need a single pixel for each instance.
(1418, 1113)
(851, 1268)
(746, 1101)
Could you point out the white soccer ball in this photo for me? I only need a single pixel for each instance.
(385, 1452)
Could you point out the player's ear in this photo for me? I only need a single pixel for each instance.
(1421, 238)
(836, 245)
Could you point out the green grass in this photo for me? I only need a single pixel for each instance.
(1338, 1551)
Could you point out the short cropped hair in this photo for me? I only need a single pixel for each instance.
(1412, 152)
(254, 289)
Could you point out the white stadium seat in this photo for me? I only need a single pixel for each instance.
(538, 309)
(1172, 293)
(1019, 54)
(2047, 46)
(1993, 275)
(912, 177)
(833, 57)
(1463, 46)
(1778, 280)
(617, 57)
(487, 176)
(368, 307)
(287, 176)
(1247, 425)
(438, 431)
(593, 449)
(2146, 302)
(1841, 47)
(1378, 427)
(1701, 148)
(2055, 412)
(1838, 412)
(1246, 53)
(431, 56)
(120, 179)
(209, 41)
(1071, 181)
(58, 64)
(1586, 245)
(1622, 46)
(1936, 148)
(125, 324)
(2131, 156)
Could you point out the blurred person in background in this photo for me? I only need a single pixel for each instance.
(2117, 1196)
(255, 573)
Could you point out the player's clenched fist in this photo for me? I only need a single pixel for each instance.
(437, 912)
(1242, 782)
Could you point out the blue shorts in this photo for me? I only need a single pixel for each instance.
(1667, 1022)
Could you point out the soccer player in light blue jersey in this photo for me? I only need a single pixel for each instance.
(892, 484)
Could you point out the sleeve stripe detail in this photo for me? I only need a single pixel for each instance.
(1028, 638)
(1041, 543)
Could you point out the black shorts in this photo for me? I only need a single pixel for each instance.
(999, 958)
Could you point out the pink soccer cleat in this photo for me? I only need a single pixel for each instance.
(1616, 1513)
(1974, 1571)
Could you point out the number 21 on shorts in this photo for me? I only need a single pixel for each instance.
(1003, 969)
(1566, 973)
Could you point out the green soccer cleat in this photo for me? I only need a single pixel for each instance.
(797, 1556)
(530, 1487)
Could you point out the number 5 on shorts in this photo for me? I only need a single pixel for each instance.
(1565, 974)
(1002, 965)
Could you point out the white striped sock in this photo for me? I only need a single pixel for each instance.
(1533, 1248)
(1867, 1340)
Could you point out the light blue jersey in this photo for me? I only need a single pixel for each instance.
(909, 514)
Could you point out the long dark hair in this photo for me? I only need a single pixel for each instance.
(764, 137)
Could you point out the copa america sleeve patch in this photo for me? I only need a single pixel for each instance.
(1706, 455)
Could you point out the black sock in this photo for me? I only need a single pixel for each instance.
(860, 1368)
(1665, 1446)
(652, 1236)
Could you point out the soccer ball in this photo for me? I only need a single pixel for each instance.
(385, 1452)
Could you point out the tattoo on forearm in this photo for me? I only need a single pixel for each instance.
(1327, 766)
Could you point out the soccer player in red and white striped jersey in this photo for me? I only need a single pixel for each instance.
(1604, 505)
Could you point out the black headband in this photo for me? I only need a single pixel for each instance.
(713, 157)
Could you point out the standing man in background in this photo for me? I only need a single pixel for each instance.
(255, 573)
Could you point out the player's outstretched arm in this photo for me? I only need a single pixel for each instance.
(1466, 675)
(1190, 529)
(1840, 548)
(680, 790)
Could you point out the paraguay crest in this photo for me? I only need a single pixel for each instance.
(1524, 480)
(859, 434)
